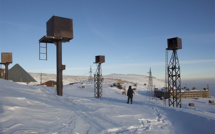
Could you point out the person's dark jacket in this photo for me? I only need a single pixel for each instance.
(130, 92)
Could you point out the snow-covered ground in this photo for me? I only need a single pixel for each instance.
(26, 109)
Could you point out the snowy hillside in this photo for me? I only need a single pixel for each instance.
(26, 109)
(129, 78)
(66, 78)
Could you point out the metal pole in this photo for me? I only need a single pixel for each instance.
(6, 71)
(41, 78)
(59, 68)
(98, 80)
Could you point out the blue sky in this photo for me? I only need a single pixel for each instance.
(132, 34)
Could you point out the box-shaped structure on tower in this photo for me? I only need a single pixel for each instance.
(174, 43)
(6, 57)
(100, 59)
(60, 27)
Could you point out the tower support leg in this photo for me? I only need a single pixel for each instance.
(98, 82)
(59, 68)
(174, 81)
(6, 71)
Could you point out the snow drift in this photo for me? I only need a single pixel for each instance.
(28, 109)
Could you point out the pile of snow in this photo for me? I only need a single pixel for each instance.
(26, 109)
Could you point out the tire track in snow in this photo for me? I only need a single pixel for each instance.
(83, 115)
(146, 125)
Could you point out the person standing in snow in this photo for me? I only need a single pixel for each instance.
(130, 94)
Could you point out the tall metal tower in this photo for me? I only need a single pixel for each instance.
(58, 30)
(98, 76)
(90, 79)
(150, 83)
(174, 76)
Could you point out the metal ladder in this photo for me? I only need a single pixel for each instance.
(42, 54)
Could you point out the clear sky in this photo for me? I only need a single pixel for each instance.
(132, 34)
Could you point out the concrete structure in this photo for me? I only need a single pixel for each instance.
(184, 94)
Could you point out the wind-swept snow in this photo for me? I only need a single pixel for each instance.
(26, 109)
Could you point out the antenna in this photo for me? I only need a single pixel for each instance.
(174, 75)
(98, 76)
(150, 85)
(59, 30)
(90, 75)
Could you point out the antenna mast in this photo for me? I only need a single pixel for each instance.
(90, 75)
(58, 30)
(150, 84)
(98, 76)
(174, 75)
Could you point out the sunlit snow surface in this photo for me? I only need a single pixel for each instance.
(26, 109)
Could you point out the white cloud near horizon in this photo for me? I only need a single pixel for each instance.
(160, 63)
(198, 61)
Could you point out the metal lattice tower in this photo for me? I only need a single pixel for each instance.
(90, 79)
(174, 81)
(98, 82)
(150, 84)
(58, 30)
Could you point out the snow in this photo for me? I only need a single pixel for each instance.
(26, 109)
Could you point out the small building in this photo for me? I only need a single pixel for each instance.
(184, 94)
(49, 83)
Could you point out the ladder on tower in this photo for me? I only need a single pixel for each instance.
(42, 51)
